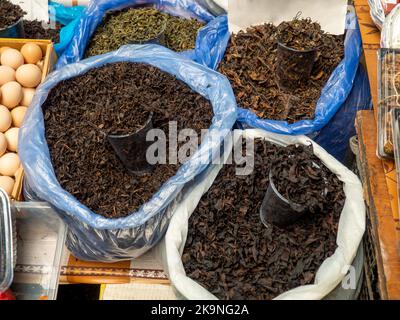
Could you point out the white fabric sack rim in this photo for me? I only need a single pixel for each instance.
(331, 272)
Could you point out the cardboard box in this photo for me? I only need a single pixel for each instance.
(50, 58)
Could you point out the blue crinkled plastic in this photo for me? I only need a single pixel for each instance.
(210, 43)
(68, 17)
(92, 236)
(335, 135)
(332, 98)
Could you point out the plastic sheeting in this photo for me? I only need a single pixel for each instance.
(92, 236)
(333, 97)
(377, 12)
(379, 9)
(210, 43)
(330, 273)
(335, 135)
(68, 17)
(390, 36)
(216, 7)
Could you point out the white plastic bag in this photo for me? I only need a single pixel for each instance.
(390, 36)
(388, 5)
(377, 12)
(331, 272)
(379, 9)
(223, 4)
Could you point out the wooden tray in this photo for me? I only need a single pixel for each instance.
(50, 58)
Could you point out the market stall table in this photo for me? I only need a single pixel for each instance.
(380, 187)
(146, 269)
(379, 176)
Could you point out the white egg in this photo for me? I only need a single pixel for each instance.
(3, 144)
(18, 115)
(12, 58)
(7, 184)
(12, 139)
(11, 94)
(5, 118)
(7, 74)
(27, 96)
(29, 75)
(9, 164)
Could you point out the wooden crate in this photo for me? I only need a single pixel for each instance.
(50, 58)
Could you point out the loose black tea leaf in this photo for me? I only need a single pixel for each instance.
(9, 13)
(250, 64)
(116, 98)
(34, 30)
(141, 25)
(234, 256)
(300, 34)
(302, 179)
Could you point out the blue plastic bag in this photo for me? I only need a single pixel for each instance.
(68, 17)
(336, 134)
(332, 98)
(211, 42)
(92, 236)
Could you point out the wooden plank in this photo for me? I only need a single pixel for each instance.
(380, 208)
(371, 59)
(361, 2)
(370, 33)
(146, 269)
(97, 273)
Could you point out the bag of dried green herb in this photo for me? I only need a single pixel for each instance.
(181, 25)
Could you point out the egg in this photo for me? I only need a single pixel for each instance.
(7, 74)
(29, 75)
(31, 53)
(12, 139)
(7, 184)
(12, 58)
(3, 144)
(9, 164)
(17, 116)
(2, 49)
(5, 119)
(27, 96)
(11, 94)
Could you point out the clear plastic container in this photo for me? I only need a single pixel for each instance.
(41, 236)
(7, 246)
(14, 31)
(276, 209)
(388, 98)
(131, 148)
(294, 67)
(396, 142)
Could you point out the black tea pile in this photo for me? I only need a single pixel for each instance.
(250, 64)
(141, 25)
(115, 99)
(9, 13)
(300, 34)
(234, 256)
(299, 176)
(34, 30)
